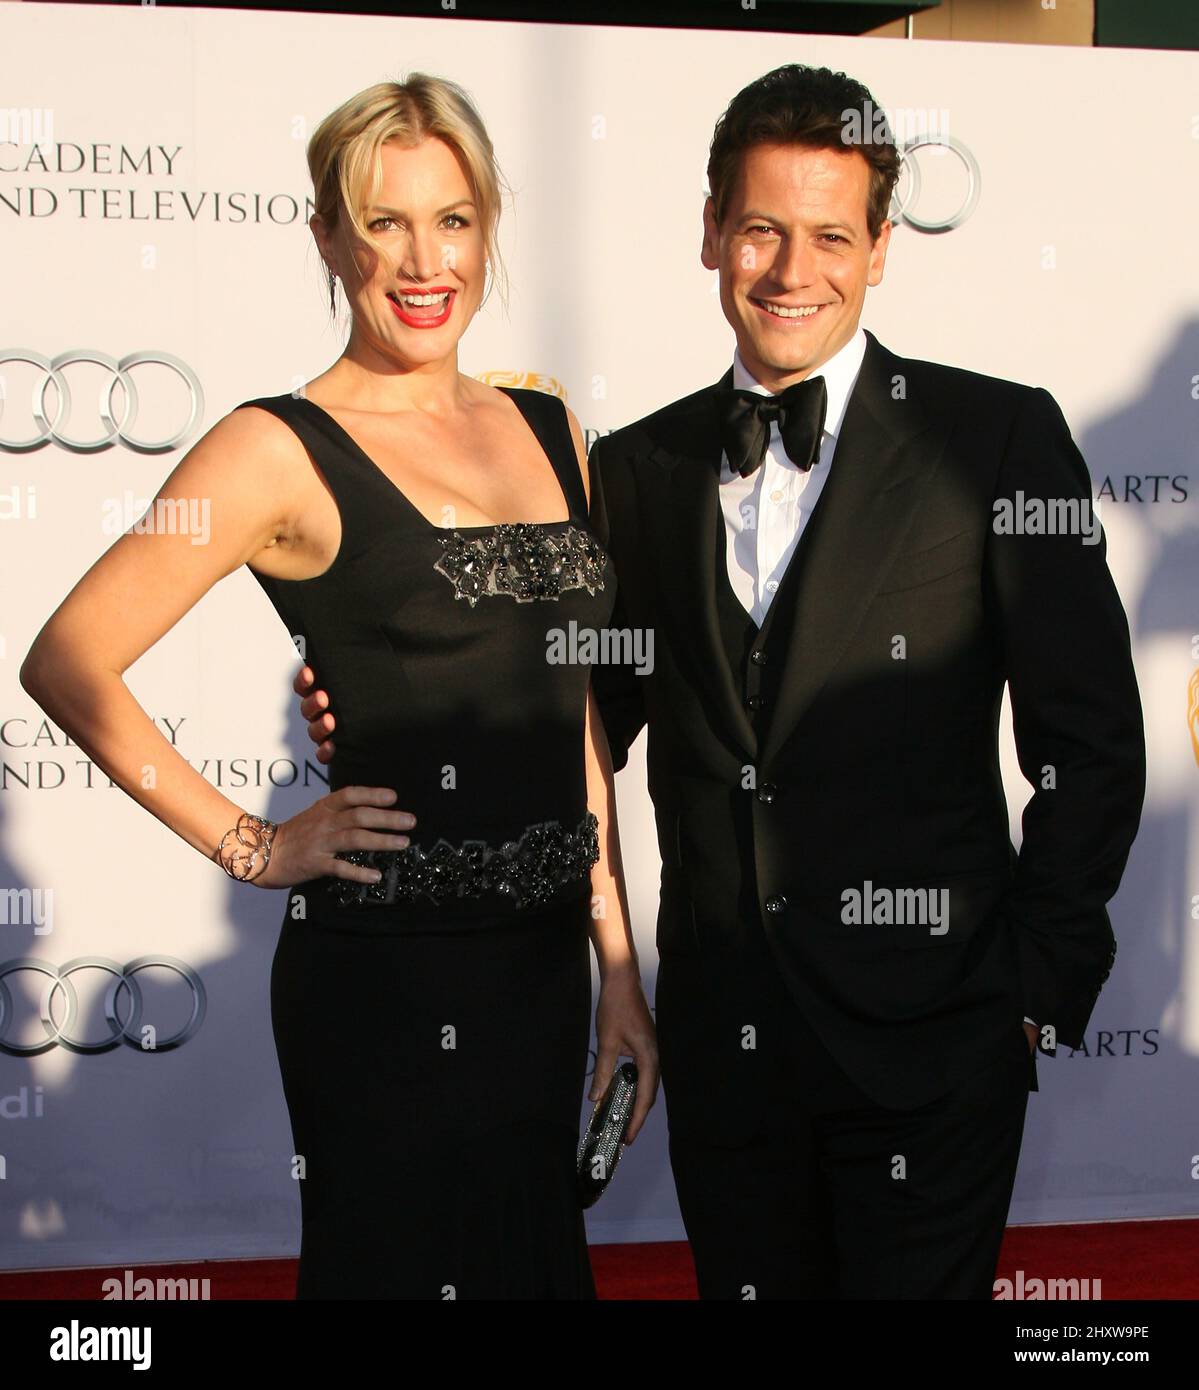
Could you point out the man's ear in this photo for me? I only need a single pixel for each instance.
(878, 255)
(709, 251)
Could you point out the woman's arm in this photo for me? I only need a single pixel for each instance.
(623, 1024)
(611, 935)
(134, 594)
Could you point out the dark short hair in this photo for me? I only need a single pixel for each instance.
(798, 105)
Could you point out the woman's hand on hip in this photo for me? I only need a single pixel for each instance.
(305, 846)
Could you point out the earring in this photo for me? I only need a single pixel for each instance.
(332, 292)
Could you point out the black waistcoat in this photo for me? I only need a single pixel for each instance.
(753, 658)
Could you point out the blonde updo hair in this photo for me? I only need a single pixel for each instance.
(344, 153)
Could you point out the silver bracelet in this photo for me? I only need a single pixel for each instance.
(254, 835)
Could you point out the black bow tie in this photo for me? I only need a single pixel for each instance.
(746, 417)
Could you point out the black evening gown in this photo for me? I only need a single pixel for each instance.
(432, 1031)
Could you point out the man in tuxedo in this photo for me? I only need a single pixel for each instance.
(854, 962)
(838, 592)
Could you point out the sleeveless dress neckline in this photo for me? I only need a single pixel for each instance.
(351, 443)
(441, 652)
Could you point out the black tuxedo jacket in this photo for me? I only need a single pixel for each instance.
(856, 748)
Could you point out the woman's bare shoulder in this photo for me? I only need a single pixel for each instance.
(253, 422)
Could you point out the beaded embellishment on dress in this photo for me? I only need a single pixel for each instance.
(525, 871)
(524, 560)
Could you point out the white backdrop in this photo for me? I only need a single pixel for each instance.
(152, 197)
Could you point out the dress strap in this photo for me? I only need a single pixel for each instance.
(546, 417)
(357, 486)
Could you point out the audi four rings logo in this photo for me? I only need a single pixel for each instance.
(109, 427)
(124, 981)
(901, 208)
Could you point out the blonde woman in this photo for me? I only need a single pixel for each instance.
(424, 533)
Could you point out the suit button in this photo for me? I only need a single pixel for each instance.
(756, 701)
(758, 658)
(776, 903)
(767, 792)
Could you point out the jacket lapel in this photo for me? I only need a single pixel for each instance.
(685, 486)
(881, 469)
(874, 488)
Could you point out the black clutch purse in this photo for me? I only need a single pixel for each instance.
(603, 1141)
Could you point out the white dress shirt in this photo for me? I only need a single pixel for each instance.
(765, 514)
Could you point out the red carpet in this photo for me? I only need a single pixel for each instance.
(1133, 1259)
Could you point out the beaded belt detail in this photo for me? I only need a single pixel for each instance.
(523, 872)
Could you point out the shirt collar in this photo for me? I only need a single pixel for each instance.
(840, 374)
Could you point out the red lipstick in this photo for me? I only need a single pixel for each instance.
(424, 315)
